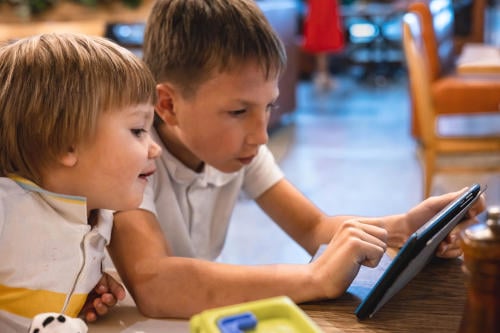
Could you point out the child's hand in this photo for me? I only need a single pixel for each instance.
(104, 296)
(450, 247)
(354, 244)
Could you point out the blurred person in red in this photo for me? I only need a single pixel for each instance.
(323, 35)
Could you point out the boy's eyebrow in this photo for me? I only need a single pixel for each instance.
(248, 102)
(146, 113)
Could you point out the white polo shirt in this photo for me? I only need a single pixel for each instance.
(194, 209)
(47, 250)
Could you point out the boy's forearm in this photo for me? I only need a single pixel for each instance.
(167, 286)
(177, 287)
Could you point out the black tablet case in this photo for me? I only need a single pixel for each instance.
(416, 253)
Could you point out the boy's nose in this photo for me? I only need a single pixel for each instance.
(258, 134)
(262, 136)
(154, 149)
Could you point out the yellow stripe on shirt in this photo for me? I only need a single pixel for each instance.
(29, 185)
(28, 302)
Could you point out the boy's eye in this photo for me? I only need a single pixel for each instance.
(138, 131)
(237, 112)
(272, 107)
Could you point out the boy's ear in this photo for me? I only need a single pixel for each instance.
(165, 104)
(69, 158)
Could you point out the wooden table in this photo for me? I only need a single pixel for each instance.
(479, 59)
(432, 302)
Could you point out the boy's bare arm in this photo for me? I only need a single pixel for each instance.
(298, 216)
(175, 287)
(168, 286)
(307, 225)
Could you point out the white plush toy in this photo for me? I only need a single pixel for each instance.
(51, 322)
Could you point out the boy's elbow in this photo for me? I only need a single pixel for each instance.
(148, 303)
(152, 304)
(149, 309)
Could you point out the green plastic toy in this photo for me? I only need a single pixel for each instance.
(276, 314)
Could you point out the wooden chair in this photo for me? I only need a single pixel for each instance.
(432, 142)
(452, 93)
(477, 20)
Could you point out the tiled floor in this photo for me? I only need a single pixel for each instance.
(350, 152)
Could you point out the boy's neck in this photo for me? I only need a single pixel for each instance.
(178, 149)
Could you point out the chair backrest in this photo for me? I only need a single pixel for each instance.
(477, 28)
(437, 17)
(419, 75)
(472, 18)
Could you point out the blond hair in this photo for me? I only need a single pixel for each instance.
(187, 41)
(54, 87)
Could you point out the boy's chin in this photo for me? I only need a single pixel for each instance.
(230, 168)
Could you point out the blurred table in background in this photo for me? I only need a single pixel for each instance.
(69, 16)
(373, 33)
(479, 59)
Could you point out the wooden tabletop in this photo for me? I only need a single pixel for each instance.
(432, 302)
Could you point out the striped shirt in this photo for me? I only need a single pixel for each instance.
(47, 250)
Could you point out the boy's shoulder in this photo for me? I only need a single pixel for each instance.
(12, 193)
(9, 191)
(8, 187)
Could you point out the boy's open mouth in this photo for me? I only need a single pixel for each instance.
(146, 175)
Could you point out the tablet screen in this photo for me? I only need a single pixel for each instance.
(416, 252)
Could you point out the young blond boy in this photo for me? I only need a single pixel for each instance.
(217, 64)
(75, 114)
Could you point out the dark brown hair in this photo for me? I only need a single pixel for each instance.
(188, 41)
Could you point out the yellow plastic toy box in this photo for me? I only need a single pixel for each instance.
(276, 315)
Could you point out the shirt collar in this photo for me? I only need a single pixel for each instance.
(72, 208)
(32, 187)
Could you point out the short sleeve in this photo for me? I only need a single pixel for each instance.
(261, 174)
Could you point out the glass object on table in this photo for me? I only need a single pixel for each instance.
(481, 246)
